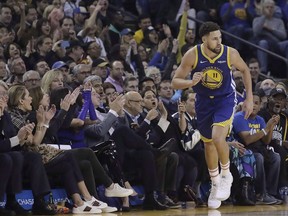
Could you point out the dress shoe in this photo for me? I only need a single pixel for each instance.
(150, 203)
(7, 212)
(14, 206)
(125, 209)
(42, 208)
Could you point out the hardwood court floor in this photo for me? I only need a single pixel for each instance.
(263, 210)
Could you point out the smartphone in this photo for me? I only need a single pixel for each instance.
(65, 44)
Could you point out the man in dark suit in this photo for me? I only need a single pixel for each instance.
(166, 166)
(132, 150)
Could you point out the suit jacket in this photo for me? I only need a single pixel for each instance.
(152, 132)
(99, 132)
(7, 131)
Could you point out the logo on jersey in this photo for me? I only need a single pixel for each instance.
(221, 62)
(212, 77)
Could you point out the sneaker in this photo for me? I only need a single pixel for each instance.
(118, 191)
(265, 200)
(224, 189)
(86, 209)
(213, 203)
(97, 203)
(109, 209)
(170, 203)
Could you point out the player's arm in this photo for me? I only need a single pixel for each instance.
(237, 62)
(179, 80)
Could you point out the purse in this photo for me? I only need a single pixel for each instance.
(47, 152)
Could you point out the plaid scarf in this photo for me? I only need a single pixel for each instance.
(18, 117)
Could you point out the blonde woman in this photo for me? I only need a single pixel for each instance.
(52, 79)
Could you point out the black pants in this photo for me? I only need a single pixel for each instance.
(6, 169)
(15, 166)
(135, 154)
(67, 167)
(91, 169)
(34, 171)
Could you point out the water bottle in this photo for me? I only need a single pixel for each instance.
(285, 200)
(284, 194)
(51, 200)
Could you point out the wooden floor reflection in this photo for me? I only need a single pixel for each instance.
(263, 210)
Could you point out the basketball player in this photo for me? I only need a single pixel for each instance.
(209, 65)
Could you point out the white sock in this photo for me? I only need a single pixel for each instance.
(214, 175)
(225, 168)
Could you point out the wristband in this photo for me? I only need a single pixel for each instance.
(265, 133)
(46, 126)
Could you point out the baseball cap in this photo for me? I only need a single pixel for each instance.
(59, 64)
(277, 91)
(100, 63)
(148, 30)
(75, 43)
(126, 31)
(80, 10)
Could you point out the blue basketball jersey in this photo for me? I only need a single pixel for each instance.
(217, 75)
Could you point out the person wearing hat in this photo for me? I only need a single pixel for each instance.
(275, 107)
(79, 16)
(126, 36)
(64, 68)
(41, 67)
(116, 26)
(99, 68)
(151, 40)
(74, 51)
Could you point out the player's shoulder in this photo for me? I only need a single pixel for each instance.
(232, 50)
(192, 51)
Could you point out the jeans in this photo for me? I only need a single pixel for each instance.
(267, 173)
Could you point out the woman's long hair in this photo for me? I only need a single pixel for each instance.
(37, 95)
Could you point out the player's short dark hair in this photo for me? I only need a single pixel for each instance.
(208, 27)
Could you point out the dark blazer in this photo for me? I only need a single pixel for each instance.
(7, 131)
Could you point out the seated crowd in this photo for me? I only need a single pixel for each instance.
(73, 73)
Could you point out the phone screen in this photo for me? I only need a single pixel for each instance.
(65, 44)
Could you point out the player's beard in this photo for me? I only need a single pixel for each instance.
(215, 50)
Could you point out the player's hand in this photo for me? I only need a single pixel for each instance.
(247, 107)
(197, 76)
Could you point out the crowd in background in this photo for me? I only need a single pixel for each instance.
(83, 73)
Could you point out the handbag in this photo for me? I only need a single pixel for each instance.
(101, 147)
(47, 152)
